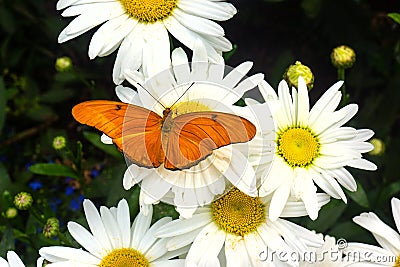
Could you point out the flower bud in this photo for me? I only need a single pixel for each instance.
(59, 142)
(23, 201)
(379, 147)
(51, 228)
(343, 57)
(297, 69)
(10, 213)
(63, 64)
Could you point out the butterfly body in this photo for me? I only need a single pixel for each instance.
(150, 140)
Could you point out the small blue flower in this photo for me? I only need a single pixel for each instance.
(76, 203)
(3, 158)
(94, 173)
(69, 190)
(28, 165)
(54, 202)
(35, 185)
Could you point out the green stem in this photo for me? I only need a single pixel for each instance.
(77, 160)
(83, 80)
(42, 221)
(341, 77)
(37, 216)
(64, 240)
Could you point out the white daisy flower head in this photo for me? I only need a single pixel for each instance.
(389, 240)
(139, 28)
(113, 242)
(190, 91)
(235, 230)
(312, 147)
(12, 260)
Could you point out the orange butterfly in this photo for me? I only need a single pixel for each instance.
(149, 140)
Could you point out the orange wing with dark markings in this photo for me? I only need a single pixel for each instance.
(134, 130)
(195, 135)
(187, 138)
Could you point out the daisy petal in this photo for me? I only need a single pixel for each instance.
(14, 260)
(198, 24)
(214, 11)
(95, 223)
(210, 242)
(396, 212)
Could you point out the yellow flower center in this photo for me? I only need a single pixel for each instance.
(188, 107)
(149, 11)
(238, 213)
(124, 257)
(397, 263)
(298, 146)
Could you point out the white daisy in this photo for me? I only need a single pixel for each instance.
(210, 90)
(312, 147)
(389, 252)
(139, 28)
(113, 242)
(12, 260)
(236, 228)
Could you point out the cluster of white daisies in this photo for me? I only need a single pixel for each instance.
(233, 203)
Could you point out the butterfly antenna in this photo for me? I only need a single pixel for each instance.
(183, 93)
(151, 95)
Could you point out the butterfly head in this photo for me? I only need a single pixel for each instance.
(166, 112)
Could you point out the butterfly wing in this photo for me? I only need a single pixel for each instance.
(193, 136)
(136, 131)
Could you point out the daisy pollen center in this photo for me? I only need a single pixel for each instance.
(298, 146)
(124, 257)
(188, 107)
(149, 11)
(397, 263)
(237, 213)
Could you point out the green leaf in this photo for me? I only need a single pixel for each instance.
(328, 216)
(360, 197)
(5, 181)
(78, 155)
(390, 190)
(229, 54)
(346, 230)
(56, 95)
(95, 140)
(395, 17)
(11, 92)
(52, 169)
(7, 20)
(3, 103)
(7, 242)
(164, 210)
(40, 113)
(63, 77)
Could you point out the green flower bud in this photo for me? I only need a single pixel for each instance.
(7, 196)
(44, 263)
(379, 147)
(292, 74)
(23, 201)
(343, 57)
(63, 64)
(59, 142)
(10, 213)
(51, 228)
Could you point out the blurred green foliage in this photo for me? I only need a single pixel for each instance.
(35, 104)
